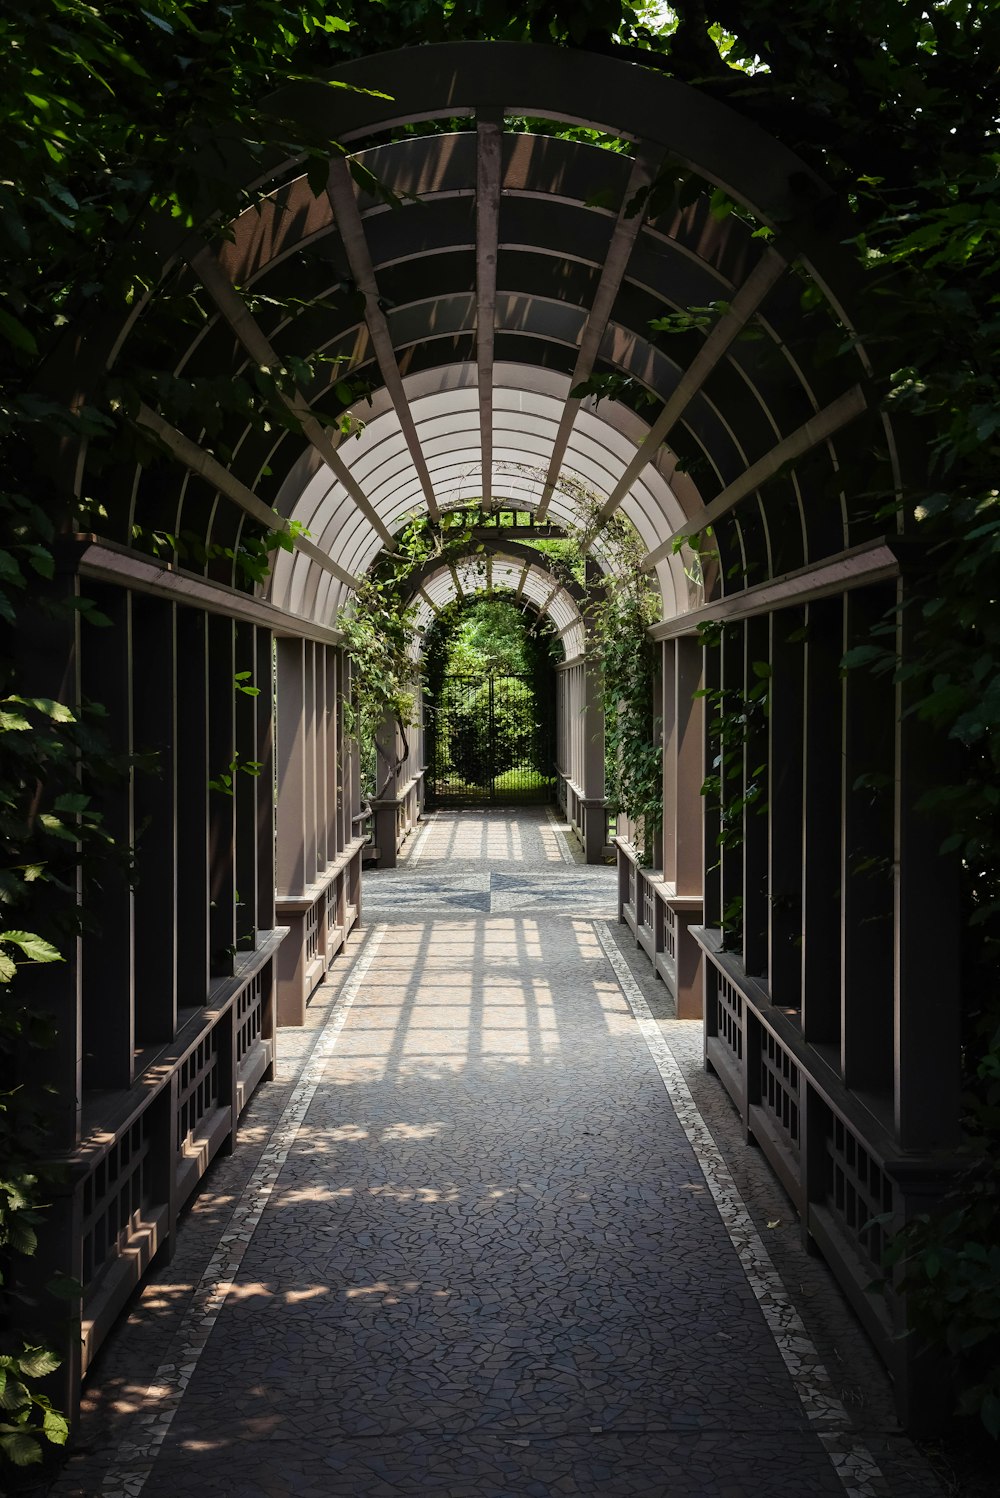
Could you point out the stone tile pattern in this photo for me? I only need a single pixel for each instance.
(478, 1254)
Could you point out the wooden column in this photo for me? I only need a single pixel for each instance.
(154, 624)
(222, 802)
(822, 800)
(687, 751)
(192, 809)
(927, 999)
(264, 783)
(592, 749)
(756, 647)
(867, 979)
(291, 840)
(712, 856)
(109, 942)
(48, 649)
(311, 779)
(246, 789)
(331, 758)
(784, 816)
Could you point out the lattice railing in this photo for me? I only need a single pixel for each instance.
(632, 876)
(115, 1194)
(249, 1015)
(857, 1190)
(312, 930)
(648, 913)
(780, 1089)
(198, 1087)
(333, 905)
(670, 933)
(729, 1010)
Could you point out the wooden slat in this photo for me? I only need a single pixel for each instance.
(743, 306)
(623, 239)
(343, 198)
(489, 157)
(201, 462)
(809, 435)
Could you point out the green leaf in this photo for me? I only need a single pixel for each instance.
(36, 1362)
(55, 1427)
(72, 801)
(33, 947)
(16, 333)
(22, 1450)
(57, 711)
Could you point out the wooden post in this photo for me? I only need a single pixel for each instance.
(192, 810)
(784, 881)
(222, 802)
(109, 943)
(822, 799)
(154, 623)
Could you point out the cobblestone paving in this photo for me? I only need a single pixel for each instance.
(469, 1246)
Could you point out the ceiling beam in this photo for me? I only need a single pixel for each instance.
(253, 339)
(623, 239)
(489, 159)
(812, 432)
(858, 567)
(745, 303)
(344, 202)
(197, 460)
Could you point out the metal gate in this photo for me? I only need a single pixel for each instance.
(490, 741)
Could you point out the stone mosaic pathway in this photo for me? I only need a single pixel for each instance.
(481, 1241)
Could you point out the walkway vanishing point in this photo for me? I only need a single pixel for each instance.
(491, 1232)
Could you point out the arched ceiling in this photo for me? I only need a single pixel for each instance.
(516, 572)
(495, 270)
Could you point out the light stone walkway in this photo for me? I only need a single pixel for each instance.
(491, 1233)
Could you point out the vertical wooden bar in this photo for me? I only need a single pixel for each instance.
(592, 776)
(822, 801)
(927, 999)
(264, 784)
(784, 881)
(246, 788)
(291, 839)
(309, 761)
(192, 810)
(154, 624)
(756, 647)
(331, 753)
(671, 748)
(689, 716)
(222, 802)
(712, 856)
(867, 934)
(109, 946)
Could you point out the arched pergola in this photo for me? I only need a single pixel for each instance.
(503, 282)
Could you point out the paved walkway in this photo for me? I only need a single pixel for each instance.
(481, 1240)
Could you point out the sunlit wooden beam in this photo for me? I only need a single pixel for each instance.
(197, 460)
(344, 201)
(489, 157)
(812, 432)
(253, 339)
(745, 303)
(623, 239)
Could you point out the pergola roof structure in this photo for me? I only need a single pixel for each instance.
(496, 270)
